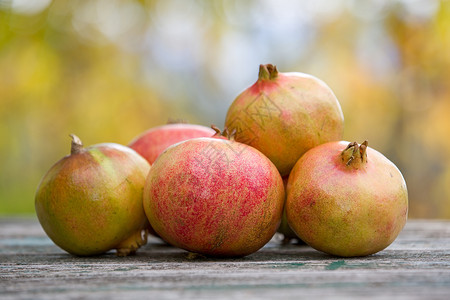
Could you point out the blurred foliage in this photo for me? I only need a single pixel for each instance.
(108, 70)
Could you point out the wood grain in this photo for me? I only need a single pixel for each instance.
(415, 266)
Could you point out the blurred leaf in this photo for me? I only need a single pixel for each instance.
(108, 70)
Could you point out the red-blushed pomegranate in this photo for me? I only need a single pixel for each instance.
(285, 114)
(90, 201)
(151, 143)
(346, 199)
(214, 197)
(154, 141)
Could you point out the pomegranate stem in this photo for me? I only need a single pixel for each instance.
(77, 145)
(355, 154)
(216, 129)
(267, 72)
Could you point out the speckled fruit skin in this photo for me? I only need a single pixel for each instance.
(91, 201)
(346, 207)
(288, 234)
(151, 143)
(154, 141)
(285, 114)
(215, 197)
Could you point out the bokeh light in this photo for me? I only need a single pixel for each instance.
(108, 70)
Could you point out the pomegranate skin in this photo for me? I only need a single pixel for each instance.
(346, 206)
(154, 141)
(214, 197)
(90, 201)
(151, 143)
(288, 234)
(285, 114)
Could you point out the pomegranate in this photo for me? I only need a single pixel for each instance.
(215, 197)
(90, 201)
(288, 234)
(151, 143)
(346, 199)
(285, 114)
(154, 141)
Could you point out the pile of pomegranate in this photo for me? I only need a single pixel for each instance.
(279, 165)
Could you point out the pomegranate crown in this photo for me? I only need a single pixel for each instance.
(355, 154)
(76, 145)
(268, 72)
(225, 133)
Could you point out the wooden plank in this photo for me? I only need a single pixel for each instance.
(415, 266)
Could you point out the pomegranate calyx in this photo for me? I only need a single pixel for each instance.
(267, 72)
(355, 154)
(225, 133)
(132, 243)
(216, 129)
(76, 145)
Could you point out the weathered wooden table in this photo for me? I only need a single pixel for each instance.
(415, 266)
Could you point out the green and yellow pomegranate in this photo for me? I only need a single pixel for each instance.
(90, 201)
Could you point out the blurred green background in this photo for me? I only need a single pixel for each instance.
(107, 70)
